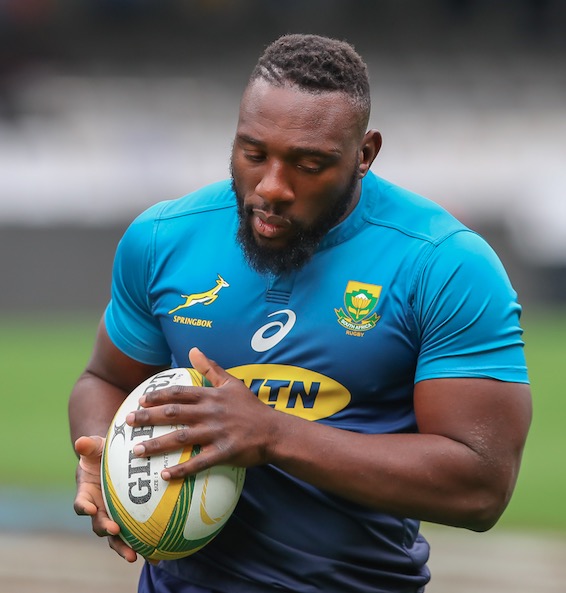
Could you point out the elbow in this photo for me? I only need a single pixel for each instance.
(485, 508)
(487, 495)
(483, 523)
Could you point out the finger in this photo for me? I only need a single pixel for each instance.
(168, 414)
(88, 501)
(122, 549)
(82, 506)
(89, 446)
(103, 526)
(90, 451)
(182, 394)
(172, 441)
(208, 368)
(207, 458)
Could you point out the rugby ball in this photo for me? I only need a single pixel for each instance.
(163, 520)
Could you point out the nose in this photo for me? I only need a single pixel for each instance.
(274, 185)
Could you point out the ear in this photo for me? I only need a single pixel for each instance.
(371, 145)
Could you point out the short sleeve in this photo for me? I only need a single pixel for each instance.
(129, 318)
(467, 314)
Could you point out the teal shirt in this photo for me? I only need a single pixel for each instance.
(399, 292)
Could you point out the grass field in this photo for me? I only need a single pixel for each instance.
(41, 359)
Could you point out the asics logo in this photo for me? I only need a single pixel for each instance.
(270, 334)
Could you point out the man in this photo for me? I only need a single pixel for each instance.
(363, 346)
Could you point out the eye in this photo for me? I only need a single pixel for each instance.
(254, 157)
(310, 168)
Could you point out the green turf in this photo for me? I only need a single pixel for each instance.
(41, 360)
(539, 497)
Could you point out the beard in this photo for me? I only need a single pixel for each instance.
(303, 242)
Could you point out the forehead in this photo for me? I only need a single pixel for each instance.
(290, 114)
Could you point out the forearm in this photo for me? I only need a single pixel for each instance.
(427, 477)
(460, 469)
(92, 405)
(108, 378)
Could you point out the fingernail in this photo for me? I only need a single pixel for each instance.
(139, 449)
(165, 475)
(130, 418)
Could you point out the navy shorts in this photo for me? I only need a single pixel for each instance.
(155, 580)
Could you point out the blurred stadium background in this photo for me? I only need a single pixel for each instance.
(107, 106)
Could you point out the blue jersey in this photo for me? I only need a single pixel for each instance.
(397, 293)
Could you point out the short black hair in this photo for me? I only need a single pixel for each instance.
(316, 64)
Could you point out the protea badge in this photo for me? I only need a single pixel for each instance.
(359, 302)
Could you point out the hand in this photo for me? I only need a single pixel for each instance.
(227, 420)
(89, 501)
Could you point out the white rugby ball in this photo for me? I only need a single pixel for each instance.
(163, 520)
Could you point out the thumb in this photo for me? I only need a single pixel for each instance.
(90, 446)
(208, 368)
(90, 451)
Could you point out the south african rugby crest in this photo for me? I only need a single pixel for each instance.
(358, 314)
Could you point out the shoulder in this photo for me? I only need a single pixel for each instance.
(405, 212)
(210, 198)
(443, 248)
(171, 220)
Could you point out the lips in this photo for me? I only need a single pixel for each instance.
(270, 226)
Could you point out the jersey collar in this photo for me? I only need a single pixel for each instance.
(351, 225)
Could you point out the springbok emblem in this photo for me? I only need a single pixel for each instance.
(206, 298)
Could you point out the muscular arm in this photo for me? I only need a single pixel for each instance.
(108, 378)
(459, 470)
